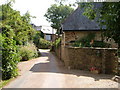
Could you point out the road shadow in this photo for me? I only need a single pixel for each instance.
(44, 54)
(53, 65)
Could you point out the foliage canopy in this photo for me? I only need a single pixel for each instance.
(109, 16)
(56, 14)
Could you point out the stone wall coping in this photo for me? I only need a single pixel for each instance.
(91, 48)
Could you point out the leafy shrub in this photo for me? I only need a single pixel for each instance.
(40, 42)
(1, 40)
(36, 39)
(1, 55)
(44, 44)
(100, 44)
(10, 59)
(57, 42)
(85, 41)
(28, 52)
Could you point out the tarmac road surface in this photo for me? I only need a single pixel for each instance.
(49, 72)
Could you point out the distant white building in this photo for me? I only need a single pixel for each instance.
(49, 32)
(38, 28)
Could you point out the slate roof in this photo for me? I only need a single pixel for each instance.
(77, 21)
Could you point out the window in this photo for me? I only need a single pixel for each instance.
(48, 37)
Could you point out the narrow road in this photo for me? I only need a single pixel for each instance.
(49, 72)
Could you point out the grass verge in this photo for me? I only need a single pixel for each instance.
(5, 82)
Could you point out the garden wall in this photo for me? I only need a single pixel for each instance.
(104, 59)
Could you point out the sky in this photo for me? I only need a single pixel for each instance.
(36, 8)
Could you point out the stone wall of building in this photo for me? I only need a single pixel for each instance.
(75, 35)
(104, 59)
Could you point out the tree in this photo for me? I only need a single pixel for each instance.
(56, 14)
(109, 16)
(19, 25)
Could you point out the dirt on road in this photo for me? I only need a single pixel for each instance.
(49, 72)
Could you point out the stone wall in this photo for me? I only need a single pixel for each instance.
(58, 51)
(84, 58)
